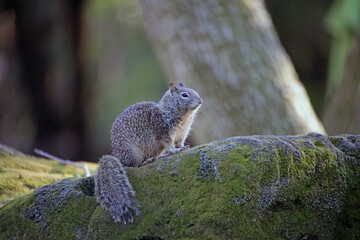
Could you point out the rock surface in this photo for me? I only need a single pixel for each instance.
(255, 187)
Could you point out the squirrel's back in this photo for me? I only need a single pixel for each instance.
(135, 131)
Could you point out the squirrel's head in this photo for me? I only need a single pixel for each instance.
(183, 98)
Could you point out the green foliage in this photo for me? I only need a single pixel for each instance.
(343, 21)
(344, 16)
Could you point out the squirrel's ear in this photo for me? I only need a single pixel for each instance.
(181, 84)
(172, 87)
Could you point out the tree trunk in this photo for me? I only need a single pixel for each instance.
(342, 115)
(48, 41)
(229, 52)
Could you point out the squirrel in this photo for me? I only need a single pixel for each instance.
(139, 135)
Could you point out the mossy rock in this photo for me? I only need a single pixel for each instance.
(21, 174)
(256, 187)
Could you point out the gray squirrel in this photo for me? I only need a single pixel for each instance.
(139, 135)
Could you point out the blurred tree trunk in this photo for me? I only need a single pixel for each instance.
(229, 52)
(342, 114)
(48, 35)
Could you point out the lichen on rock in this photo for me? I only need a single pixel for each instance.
(254, 187)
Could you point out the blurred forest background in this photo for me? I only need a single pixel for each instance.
(69, 67)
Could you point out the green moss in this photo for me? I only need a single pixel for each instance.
(23, 174)
(318, 143)
(212, 207)
(68, 222)
(295, 188)
(336, 140)
(350, 221)
(18, 227)
(72, 220)
(101, 225)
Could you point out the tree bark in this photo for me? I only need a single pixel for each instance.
(229, 52)
(48, 38)
(342, 114)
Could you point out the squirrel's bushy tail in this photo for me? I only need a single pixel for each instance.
(114, 191)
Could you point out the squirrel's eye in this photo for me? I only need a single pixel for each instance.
(185, 95)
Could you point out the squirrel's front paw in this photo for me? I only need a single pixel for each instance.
(175, 150)
(182, 148)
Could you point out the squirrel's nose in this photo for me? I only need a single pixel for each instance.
(201, 101)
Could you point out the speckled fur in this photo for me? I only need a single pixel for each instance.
(140, 134)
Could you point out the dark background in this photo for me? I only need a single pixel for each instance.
(68, 67)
